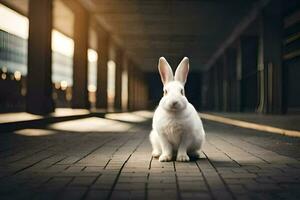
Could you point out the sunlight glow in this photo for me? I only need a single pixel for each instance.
(92, 124)
(18, 116)
(63, 85)
(92, 55)
(126, 117)
(14, 23)
(111, 73)
(92, 74)
(144, 113)
(17, 75)
(92, 88)
(62, 44)
(34, 132)
(17, 24)
(124, 90)
(63, 112)
(250, 125)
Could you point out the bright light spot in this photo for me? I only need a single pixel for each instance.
(17, 75)
(13, 22)
(144, 113)
(92, 124)
(111, 73)
(62, 44)
(124, 90)
(92, 55)
(92, 75)
(4, 69)
(63, 112)
(18, 25)
(126, 117)
(34, 132)
(250, 125)
(18, 116)
(57, 85)
(3, 76)
(63, 85)
(92, 88)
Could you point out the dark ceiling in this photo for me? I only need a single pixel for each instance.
(148, 29)
(172, 28)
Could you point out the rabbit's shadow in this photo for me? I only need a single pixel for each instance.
(192, 159)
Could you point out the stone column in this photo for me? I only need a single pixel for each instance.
(211, 90)
(248, 73)
(130, 86)
(80, 60)
(216, 88)
(124, 84)
(225, 81)
(272, 28)
(118, 80)
(103, 48)
(220, 84)
(137, 86)
(231, 79)
(39, 85)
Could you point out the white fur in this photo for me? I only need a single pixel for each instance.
(176, 127)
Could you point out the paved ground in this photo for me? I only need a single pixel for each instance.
(98, 158)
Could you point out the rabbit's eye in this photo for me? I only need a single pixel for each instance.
(165, 92)
(181, 91)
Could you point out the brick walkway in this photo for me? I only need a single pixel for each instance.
(69, 163)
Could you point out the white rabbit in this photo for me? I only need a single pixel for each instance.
(177, 127)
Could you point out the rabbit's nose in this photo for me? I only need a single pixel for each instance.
(174, 103)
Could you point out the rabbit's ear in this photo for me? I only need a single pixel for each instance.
(165, 70)
(182, 70)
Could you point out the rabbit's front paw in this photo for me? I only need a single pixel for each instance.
(182, 158)
(165, 158)
(155, 154)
